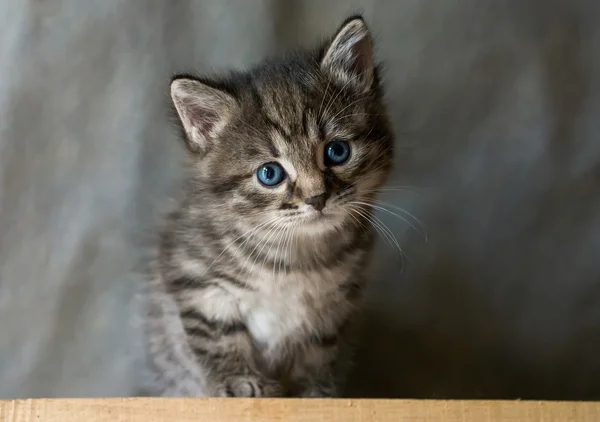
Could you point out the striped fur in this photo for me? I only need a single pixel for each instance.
(254, 293)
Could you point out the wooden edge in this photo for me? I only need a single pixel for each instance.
(292, 410)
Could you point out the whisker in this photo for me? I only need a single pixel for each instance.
(419, 222)
(276, 256)
(323, 99)
(389, 235)
(271, 222)
(359, 224)
(335, 97)
(364, 214)
(258, 132)
(361, 114)
(284, 258)
(422, 232)
(269, 233)
(397, 188)
(279, 257)
(228, 246)
(376, 224)
(333, 119)
(289, 249)
(402, 253)
(273, 235)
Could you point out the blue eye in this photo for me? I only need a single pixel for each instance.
(270, 174)
(337, 152)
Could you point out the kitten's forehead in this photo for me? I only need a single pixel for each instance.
(282, 100)
(285, 103)
(279, 116)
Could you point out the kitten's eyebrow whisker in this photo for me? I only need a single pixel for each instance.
(256, 130)
(360, 114)
(336, 96)
(333, 119)
(319, 116)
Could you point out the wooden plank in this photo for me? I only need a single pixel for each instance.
(292, 410)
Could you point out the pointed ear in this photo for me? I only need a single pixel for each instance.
(349, 57)
(204, 111)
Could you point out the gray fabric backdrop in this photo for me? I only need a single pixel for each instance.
(496, 105)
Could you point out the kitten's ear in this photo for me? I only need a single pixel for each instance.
(204, 111)
(349, 57)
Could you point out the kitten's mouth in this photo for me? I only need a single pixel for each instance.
(316, 216)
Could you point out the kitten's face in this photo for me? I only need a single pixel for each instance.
(303, 142)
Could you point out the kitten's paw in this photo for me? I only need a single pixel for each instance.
(318, 391)
(248, 386)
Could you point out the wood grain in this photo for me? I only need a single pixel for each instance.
(267, 410)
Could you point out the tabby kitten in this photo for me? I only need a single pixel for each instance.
(260, 269)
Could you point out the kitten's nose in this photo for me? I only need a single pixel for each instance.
(318, 201)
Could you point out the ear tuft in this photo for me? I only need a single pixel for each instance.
(349, 57)
(204, 112)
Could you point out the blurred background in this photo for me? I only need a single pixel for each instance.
(496, 104)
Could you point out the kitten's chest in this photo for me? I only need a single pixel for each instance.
(274, 317)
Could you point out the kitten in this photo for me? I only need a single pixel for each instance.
(260, 270)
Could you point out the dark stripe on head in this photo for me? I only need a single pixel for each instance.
(258, 102)
(273, 149)
(229, 184)
(304, 129)
(279, 128)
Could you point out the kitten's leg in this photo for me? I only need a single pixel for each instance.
(327, 361)
(225, 350)
(315, 374)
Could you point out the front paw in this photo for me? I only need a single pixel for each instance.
(318, 391)
(248, 386)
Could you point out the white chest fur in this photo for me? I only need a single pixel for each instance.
(273, 318)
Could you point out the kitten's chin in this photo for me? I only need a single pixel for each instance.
(317, 222)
